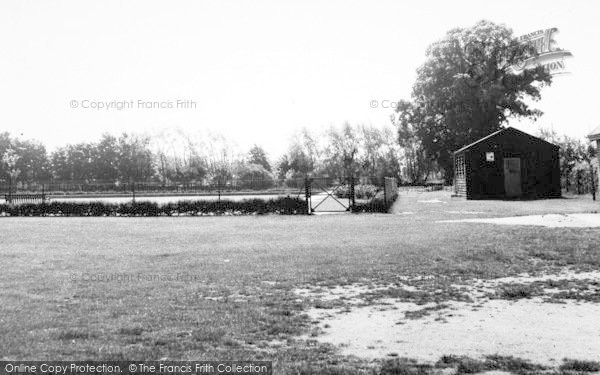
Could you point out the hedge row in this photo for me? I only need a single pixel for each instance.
(374, 205)
(283, 206)
(361, 191)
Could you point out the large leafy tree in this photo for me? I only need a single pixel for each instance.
(105, 159)
(257, 155)
(467, 89)
(135, 160)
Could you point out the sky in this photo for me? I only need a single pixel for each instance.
(254, 71)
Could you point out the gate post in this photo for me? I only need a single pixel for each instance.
(351, 197)
(307, 193)
(593, 178)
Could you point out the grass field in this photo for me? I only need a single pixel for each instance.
(222, 287)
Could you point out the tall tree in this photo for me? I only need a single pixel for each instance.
(342, 151)
(9, 161)
(257, 155)
(106, 159)
(467, 89)
(572, 153)
(135, 158)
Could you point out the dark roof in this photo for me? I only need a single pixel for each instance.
(511, 129)
(595, 134)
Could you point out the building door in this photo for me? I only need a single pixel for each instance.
(512, 177)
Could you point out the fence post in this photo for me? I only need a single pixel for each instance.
(219, 189)
(385, 191)
(390, 189)
(352, 195)
(133, 191)
(307, 195)
(593, 178)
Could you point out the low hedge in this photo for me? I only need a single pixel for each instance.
(374, 205)
(361, 191)
(282, 206)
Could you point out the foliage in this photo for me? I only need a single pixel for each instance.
(22, 160)
(349, 150)
(466, 90)
(302, 158)
(178, 158)
(284, 205)
(342, 151)
(375, 205)
(257, 155)
(579, 366)
(173, 157)
(361, 191)
(576, 162)
(254, 176)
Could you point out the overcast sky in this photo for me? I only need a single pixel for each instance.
(256, 70)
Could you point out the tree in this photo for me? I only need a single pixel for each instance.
(467, 89)
(27, 160)
(342, 151)
(105, 160)
(257, 155)
(573, 156)
(254, 176)
(220, 159)
(379, 154)
(9, 161)
(79, 162)
(59, 161)
(33, 161)
(303, 157)
(135, 162)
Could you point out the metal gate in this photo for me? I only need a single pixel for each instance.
(324, 194)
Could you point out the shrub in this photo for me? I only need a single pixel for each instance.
(375, 205)
(470, 366)
(404, 366)
(580, 366)
(361, 191)
(517, 291)
(282, 206)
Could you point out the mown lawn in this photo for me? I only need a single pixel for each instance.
(221, 287)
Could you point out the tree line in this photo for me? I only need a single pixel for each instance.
(578, 162)
(176, 156)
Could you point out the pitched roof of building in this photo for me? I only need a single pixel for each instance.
(510, 128)
(595, 134)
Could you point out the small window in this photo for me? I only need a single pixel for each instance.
(489, 156)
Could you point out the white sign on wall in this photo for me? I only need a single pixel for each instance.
(489, 156)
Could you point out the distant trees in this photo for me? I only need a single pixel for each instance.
(22, 160)
(125, 159)
(576, 162)
(258, 156)
(466, 90)
(349, 150)
(303, 157)
(134, 161)
(221, 158)
(106, 158)
(254, 171)
(177, 157)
